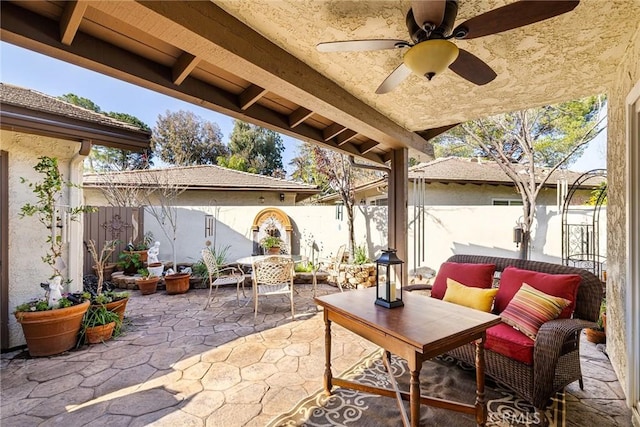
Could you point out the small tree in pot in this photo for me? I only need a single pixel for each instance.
(51, 324)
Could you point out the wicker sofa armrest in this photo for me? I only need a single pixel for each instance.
(549, 346)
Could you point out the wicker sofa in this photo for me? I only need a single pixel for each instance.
(556, 350)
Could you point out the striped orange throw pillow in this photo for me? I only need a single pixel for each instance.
(530, 308)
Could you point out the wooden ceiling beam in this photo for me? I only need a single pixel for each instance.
(208, 31)
(332, 130)
(70, 20)
(367, 146)
(345, 136)
(299, 116)
(35, 32)
(250, 96)
(183, 67)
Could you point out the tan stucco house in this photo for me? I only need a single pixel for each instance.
(33, 125)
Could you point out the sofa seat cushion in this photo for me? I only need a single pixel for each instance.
(474, 275)
(476, 298)
(558, 285)
(510, 342)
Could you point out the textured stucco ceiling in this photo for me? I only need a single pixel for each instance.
(564, 58)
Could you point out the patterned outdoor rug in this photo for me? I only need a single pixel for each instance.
(443, 378)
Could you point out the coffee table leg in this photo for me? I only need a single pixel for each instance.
(414, 390)
(327, 354)
(481, 404)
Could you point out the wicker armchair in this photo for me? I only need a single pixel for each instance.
(273, 276)
(221, 276)
(556, 354)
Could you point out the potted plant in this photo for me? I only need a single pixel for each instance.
(141, 246)
(130, 262)
(51, 324)
(177, 283)
(99, 324)
(271, 244)
(598, 334)
(147, 283)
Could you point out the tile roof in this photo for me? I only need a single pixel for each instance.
(472, 170)
(37, 101)
(207, 177)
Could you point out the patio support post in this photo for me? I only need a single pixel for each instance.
(398, 205)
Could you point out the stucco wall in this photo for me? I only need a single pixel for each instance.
(27, 235)
(438, 194)
(94, 197)
(447, 230)
(627, 75)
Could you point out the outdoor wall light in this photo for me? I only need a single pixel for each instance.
(282, 197)
(517, 233)
(388, 276)
(261, 199)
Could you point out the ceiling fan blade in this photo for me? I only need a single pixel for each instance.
(512, 16)
(428, 11)
(360, 45)
(470, 67)
(396, 77)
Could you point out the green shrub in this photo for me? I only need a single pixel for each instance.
(360, 255)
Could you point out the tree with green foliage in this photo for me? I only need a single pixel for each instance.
(236, 162)
(305, 169)
(182, 138)
(262, 148)
(113, 159)
(529, 145)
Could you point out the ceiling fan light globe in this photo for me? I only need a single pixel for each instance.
(431, 57)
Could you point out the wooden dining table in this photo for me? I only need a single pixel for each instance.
(423, 328)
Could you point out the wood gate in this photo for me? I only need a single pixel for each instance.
(112, 223)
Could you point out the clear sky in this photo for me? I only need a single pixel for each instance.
(31, 70)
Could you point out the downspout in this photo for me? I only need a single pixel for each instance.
(76, 228)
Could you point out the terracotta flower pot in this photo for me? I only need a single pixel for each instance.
(275, 250)
(148, 286)
(53, 331)
(595, 336)
(177, 283)
(143, 255)
(117, 307)
(98, 334)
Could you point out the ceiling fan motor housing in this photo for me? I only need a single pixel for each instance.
(441, 31)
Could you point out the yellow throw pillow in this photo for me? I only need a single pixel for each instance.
(468, 296)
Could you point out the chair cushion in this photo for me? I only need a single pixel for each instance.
(510, 342)
(530, 308)
(479, 299)
(558, 285)
(472, 275)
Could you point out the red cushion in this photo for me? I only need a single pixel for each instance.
(558, 285)
(510, 342)
(475, 275)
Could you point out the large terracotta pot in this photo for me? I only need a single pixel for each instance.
(98, 334)
(53, 331)
(177, 283)
(148, 286)
(275, 250)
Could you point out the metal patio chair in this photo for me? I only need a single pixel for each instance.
(222, 276)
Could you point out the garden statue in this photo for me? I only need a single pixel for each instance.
(152, 253)
(55, 291)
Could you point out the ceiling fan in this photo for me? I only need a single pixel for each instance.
(430, 25)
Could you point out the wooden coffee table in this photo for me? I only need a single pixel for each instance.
(424, 328)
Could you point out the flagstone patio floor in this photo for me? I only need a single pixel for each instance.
(180, 365)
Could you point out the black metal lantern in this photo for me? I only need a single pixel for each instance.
(389, 279)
